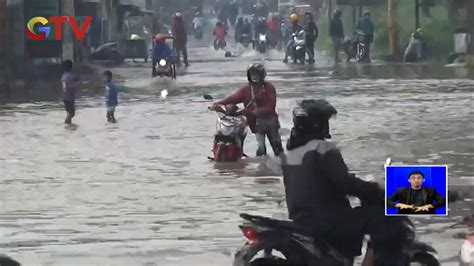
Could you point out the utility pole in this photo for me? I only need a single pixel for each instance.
(393, 27)
(330, 13)
(417, 14)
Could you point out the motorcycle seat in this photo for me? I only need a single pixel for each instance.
(273, 223)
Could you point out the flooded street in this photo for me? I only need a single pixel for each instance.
(143, 192)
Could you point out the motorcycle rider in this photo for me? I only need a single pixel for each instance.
(294, 28)
(238, 29)
(260, 28)
(161, 49)
(311, 35)
(220, 31)
(259, 99)
(273, 25)
(198, 24)
(247, 28)
(366, 26)
(181, 39)
(317, 182)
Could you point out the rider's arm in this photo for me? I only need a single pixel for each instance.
(392, 200)
(235, 98)
(440, 201)
(269, 107)
(336, 169)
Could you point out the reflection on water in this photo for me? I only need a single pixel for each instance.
(143, 191)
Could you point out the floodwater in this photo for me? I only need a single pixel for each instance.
(142, 191)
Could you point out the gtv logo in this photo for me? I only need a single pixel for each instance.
(43, 32)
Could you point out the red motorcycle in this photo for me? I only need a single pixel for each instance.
(231, 130)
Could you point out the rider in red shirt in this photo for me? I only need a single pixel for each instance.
(259, 99)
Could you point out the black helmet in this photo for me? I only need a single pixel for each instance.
(312, 117)
(337, 13)
(256, 68)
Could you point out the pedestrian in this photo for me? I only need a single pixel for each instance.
(312, 33)
(259, 98)
(70, 84)
(366, 27)
(181, 38)
(336, 33)
(111, 94)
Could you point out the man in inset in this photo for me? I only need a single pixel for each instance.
(416, 199)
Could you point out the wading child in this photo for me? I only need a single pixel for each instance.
(70, 84)
(111, 96)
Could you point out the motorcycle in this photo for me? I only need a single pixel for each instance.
(299, 46)
(107, 52)
(164, 67)
(231, 130)
(245, 40)
(356, 48)
(219, 44)
(281, 242)
(261, 43)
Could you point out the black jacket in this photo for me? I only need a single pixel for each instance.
(337, 29)
(312, 31)
(317, 183)
(403, 195)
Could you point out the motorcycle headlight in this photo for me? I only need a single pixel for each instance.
(162, 62)
(262, 38)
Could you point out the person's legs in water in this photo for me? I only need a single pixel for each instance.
(111, 114)
(288, 51)
(178, 55)
(367, 55)
(185, 55)
(310, 50)
(71, 111)
(262, 149)
(336, 46)
(273, 134)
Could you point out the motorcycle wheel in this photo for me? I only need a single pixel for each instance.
(424, 259)
(269, 262)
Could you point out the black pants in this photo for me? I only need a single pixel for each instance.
(110, 114)
(71, 111)
(182, 49)
(268, 127)
(310, 48)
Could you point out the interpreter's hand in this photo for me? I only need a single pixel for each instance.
(213, 107)
(402, 206)
(424, 208)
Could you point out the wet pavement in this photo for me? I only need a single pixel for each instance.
(143, 192)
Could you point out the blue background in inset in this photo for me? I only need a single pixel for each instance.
(397, 176)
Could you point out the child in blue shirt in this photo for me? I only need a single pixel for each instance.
(111, 97)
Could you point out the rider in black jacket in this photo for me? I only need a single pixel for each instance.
(317, 183)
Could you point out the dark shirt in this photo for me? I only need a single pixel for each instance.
(416, 197)
(311, 31)
(406, 195)
(111, 91)
(337, 29)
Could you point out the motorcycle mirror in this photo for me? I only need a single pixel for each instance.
(208, 97)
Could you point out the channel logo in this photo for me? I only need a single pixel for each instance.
(43, 31)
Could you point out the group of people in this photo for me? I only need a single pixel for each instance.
(364, 30)
(317, 180)
(70, 84)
